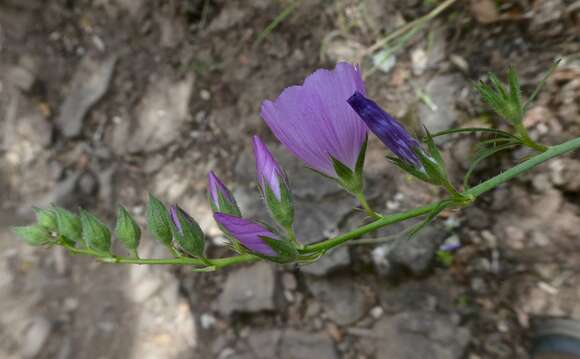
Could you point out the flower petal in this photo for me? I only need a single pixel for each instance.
(314, 120)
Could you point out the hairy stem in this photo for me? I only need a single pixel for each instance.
(324, 246)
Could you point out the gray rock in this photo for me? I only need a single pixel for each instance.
(160, 117)
(89, 84)
(477, 218)
(36, 337)
(341, 297)
(21, 77)
(428, 294)
(300, 345)
(249, 289)
(229, 16)
(333, 260)
(442, 90)
(265, 344)
(419, 335)
(417, 253)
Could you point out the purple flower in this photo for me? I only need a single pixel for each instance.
(248, 233)
(217, 189)
(386, 128)
(267, 169)
(314, 120)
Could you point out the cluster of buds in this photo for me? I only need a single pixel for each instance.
(324, 122)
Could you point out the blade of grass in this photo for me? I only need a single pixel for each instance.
(277, 21)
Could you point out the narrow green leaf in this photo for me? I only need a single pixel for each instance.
(95, 233)
(541, 84)
(127, 230)
(515, 90)
(35, 235)
(498, 86)
(482, 156)
(158, 221)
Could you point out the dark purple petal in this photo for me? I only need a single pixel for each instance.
(386, 128)
(215, 186)
(314, 120)
(267, 169)
(248, 233)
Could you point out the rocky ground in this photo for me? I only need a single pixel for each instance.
(102, 101)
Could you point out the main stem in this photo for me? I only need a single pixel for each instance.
(324, 246)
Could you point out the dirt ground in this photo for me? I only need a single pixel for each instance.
(103, 101)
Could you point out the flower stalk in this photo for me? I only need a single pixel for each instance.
(328, 244)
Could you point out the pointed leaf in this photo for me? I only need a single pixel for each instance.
(35, 235)
(158, 221)
(95, 234)
(46, 218)
(68, 225)
(190, 236)
(127, 230)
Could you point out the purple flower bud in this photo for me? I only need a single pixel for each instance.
(217, 189)
(268, 170)
(314, 120)
(175, 218)
(386, 128)
(248, 233)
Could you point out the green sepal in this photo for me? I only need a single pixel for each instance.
(127, 230)
(346, 177)
(46, 218)
(281, 210)
(225, 206)
(35, 235)
(286, 252)
(412, 170)
(360, 160)
(95, 233)
(432, 148)
(435, 171)
(191, 238)
(505, 100)
(68, 226)
(158, 221)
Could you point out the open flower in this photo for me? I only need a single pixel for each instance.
(386, 128)
(315, 122)
(220, 197)
(250, 234)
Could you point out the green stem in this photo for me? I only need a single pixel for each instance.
(550, 153)
(526, 140)
(292, 237)
(324, 246)
(365, 205)
(217, 263)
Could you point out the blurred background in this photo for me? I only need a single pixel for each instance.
(102, 101)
